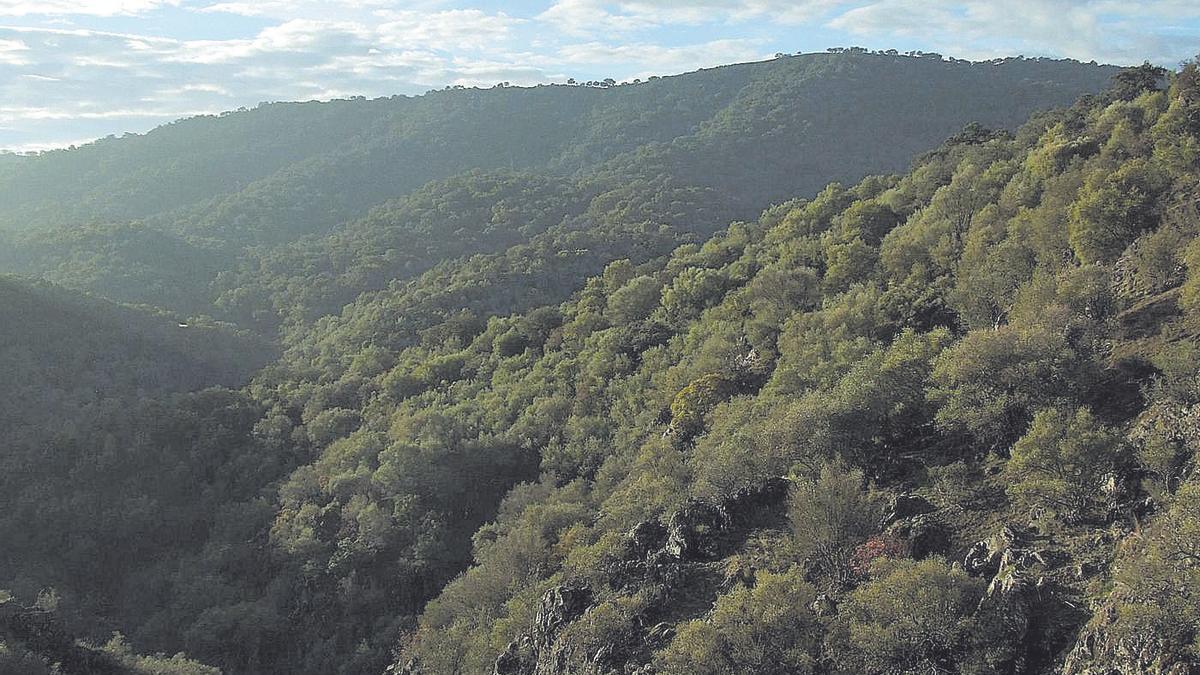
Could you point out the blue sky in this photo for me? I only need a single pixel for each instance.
(76, 70)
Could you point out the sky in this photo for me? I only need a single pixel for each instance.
(75, 70)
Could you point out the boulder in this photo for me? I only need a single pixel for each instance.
(690, 530)
(646, 537)
(560, 606)
(980, 560)
(906, 506)
(924, 533)
(660, 635)
(514, 661)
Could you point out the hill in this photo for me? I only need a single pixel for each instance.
(155, 218)
(534, 420)
(935, 422)
(92, 407)
(77, 350)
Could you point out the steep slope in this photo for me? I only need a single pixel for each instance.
(609, 450)
(926, 423)
(245, 184)
(103, 458)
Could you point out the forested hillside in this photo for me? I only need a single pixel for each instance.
(100, 455)
(156, 218)
(940, 422)
(658, 394)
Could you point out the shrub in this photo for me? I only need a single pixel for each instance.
(831, 515)
(765, 630)
(1059, 466)
(911, 617)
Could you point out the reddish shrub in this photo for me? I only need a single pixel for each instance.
(878, 546)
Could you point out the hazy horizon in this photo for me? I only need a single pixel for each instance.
(72, 71)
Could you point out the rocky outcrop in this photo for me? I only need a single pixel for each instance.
(1008, 546)
(534, 652)
(1017, 572)
(1099, 651)
(653, 554)
(1005, 612)
(690, 530)
(906, 506)
(925, 535)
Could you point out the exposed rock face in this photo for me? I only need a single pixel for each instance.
(531, 654)
(653, 554)
(984, 557)
(906, 506)
(925, 534)
(645, 537)
(560, 606)
(689, 529)
(1099, 652)
(1004, 613)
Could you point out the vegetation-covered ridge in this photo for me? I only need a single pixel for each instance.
(933, 422)
(156, 219)
(978, 381)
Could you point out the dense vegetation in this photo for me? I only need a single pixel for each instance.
(1004, 335)
(156, 218)
(940, 421)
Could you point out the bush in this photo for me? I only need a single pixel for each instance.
(695, 401)
(831, 515)
(992, 381)
(1059, 466)
(765, 630)
(1160, 579)
(911, 617)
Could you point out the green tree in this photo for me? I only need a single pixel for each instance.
(1133, 82)
(634, 301)
(1113, 209)
(767, 629)
(693, 291)
(912, 616)
(831, 515)
(1061, 463)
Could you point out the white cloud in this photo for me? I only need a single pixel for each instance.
(10, 114)
(463, 28)
(596, 16)
(317, 9)
(80, 7)
(299, 36)
(1104, 30)
(39, 146)
(12, 52)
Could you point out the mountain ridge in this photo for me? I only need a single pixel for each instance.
(819, 109)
